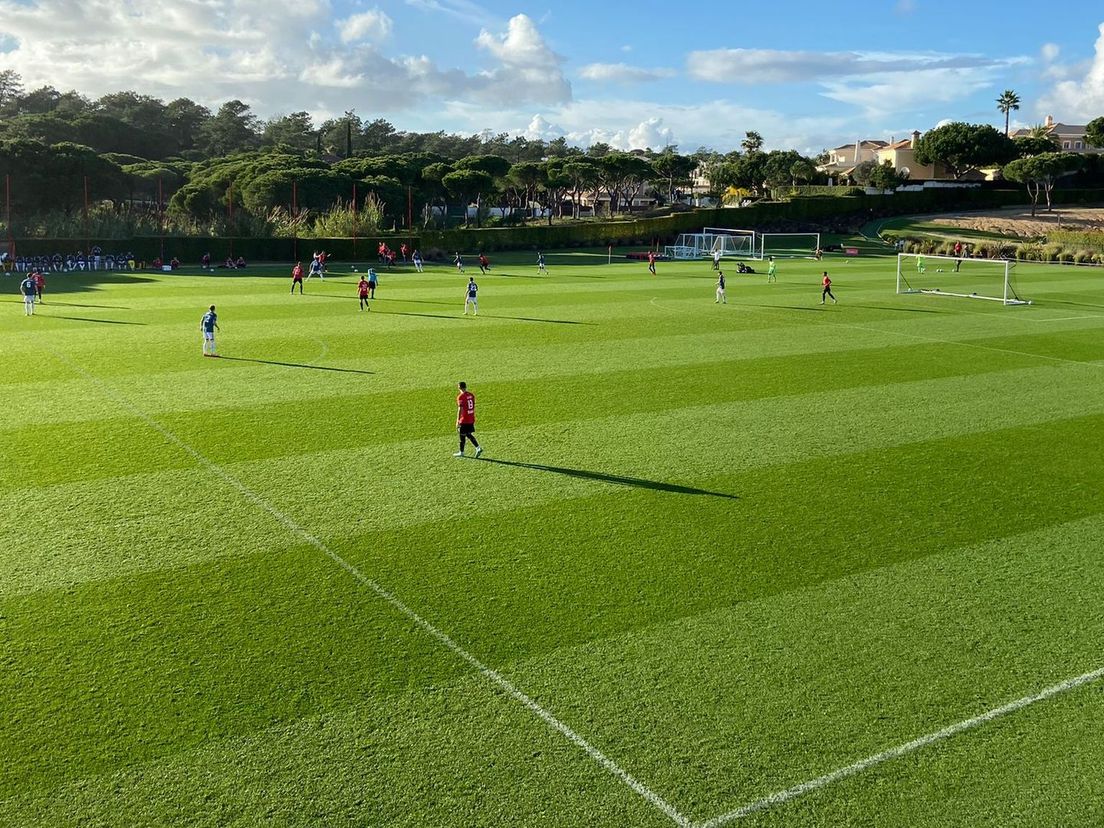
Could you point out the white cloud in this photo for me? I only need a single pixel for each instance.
(372, 26)
(266, 52)
(623, 73)
(650, 134)
(904, 7)
(530, 69)
(909, 91)
(635, 124)
(1079, 99)
(1050, 52)
(760, 66)
(521, 45)
(464, 10)
(540, 129)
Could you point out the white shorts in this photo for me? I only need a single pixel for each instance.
(209, 336)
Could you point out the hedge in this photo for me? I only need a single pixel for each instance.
(809, 211)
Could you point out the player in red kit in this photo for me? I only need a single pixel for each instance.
(362, 292)
(465, 420)
(827, 291)
(651, 262)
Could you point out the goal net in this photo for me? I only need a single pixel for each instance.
(788, 245)
(992, 279)
(713, 240)
(730, 242)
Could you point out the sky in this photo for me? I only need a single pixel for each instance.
(805, 75)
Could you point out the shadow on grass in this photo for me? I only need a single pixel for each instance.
(90, 319)
(536, 319)
(54, 304)
(898, 310)
(621, 480)
(297, 365)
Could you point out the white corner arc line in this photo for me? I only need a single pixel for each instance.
(492, 675)
(782, 797)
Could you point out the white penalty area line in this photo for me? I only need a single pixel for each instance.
(491, 675)
(782, 797)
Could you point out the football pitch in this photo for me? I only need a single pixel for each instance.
(764, 563)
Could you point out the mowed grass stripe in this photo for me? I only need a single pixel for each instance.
(87, 451)
(855, 665)
(552, 397)
(452, 755)
(389, 486)
(167, 658)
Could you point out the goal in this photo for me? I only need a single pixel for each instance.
(731, 242)
(992, 279)
(788, 245)
(712, 240)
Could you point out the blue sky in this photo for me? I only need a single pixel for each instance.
(806, 75)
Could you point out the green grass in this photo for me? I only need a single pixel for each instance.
(734, 547)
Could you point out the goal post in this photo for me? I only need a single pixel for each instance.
(731, 241)
(788, 245)
(991, 279)
(713, 240)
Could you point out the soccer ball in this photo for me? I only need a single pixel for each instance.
(354, 270)
(939, 270)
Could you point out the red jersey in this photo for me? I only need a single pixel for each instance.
(465, 406)
(651, 258)
(297, 273)
(826, 281)
(362, 286)
(39, 280)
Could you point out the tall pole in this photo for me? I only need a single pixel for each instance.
(7, 214)
(354, 222)
(161, 215)
(230, 216)
(87, 241)
(294, 216)
(410, 208)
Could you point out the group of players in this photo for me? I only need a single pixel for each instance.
(465, 401)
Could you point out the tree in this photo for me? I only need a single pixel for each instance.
(885, 177)
(753, 142)
(584, 174)
(1028, 145)
(962, 147)
(466, 186)
(295, 130)
(11, 89)
(803, 169)
(185, 118)
(1007, 102)
(674, 169)
(1094, 132)
(554, 181)
(1039, 173)
(233, 129)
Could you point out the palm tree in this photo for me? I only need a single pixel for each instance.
(1008, 101)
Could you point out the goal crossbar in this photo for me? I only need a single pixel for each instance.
(931, 276)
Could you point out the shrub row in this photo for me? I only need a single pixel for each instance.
(1028, 252)
(1084, 239)
(807, 213)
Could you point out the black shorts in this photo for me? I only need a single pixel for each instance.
(466, 428)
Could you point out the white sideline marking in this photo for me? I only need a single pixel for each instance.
(492, 675)
(781, 797)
